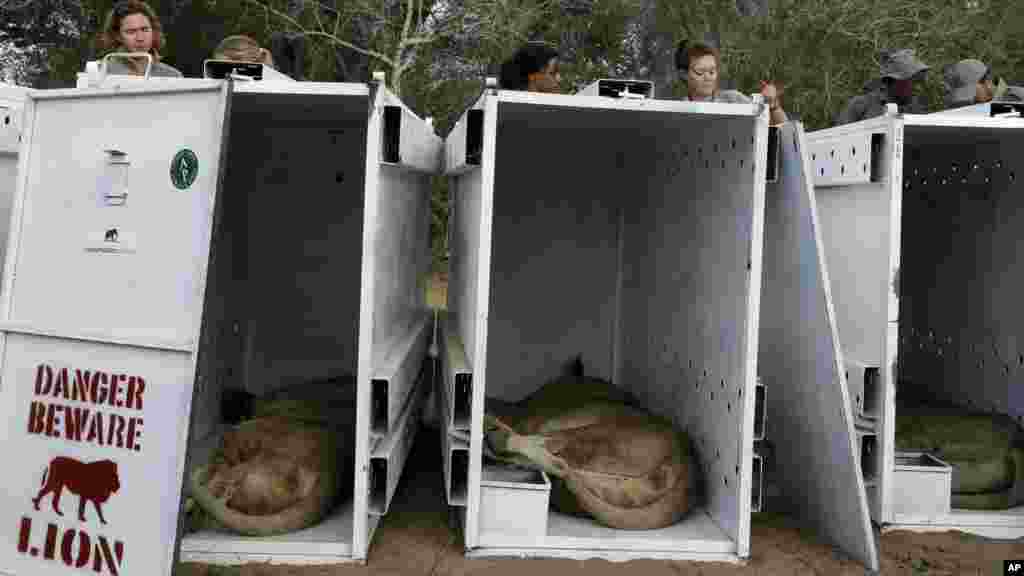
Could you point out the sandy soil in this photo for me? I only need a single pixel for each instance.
(416, 537)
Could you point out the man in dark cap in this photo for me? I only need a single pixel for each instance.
(899, 71)
(970, 82)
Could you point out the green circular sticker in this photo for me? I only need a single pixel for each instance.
(184, 168)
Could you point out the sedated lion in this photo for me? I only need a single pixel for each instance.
(93, 481)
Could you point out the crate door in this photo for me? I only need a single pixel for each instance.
(104, 291)
(115, 216)
(810, 420)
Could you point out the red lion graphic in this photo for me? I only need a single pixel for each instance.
(94, 481)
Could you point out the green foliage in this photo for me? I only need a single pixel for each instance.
(824, 51)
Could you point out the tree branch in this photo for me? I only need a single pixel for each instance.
(322, 34)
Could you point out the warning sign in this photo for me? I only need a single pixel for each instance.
(70, 404)
(94, 434)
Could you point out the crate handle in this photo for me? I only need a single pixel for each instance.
(146, 55)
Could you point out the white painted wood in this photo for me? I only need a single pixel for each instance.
(811, 418)
(859, 226)
(323, 89)
(513, 512)
(455, 371)
(12, 103)
(419, 147)
(952, 317)
(276, 558)
(455, 455)
(166, 259)
(921, 486)
(361, 523)
(463, 281)
(12, 106)
(328, 542)
(298, 214)
(398, 375)
(619, 88)
(146, 467)
(690, 295)
(455, 144)
(572, 537)
(880, 498)
(863, 383)
(395, 266)
(607, 555)
(1000, 524)
(481, 279)
(855, 232)
(721, 109)
(511, 227)
(45, 199)
(301, 191)
(402, 250)
(842, 161)
(554, 249)
(131, 85)
(391, 453)
(964, 121)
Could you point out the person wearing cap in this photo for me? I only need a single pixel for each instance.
(899, 70)
(970, 82)
(700, 62)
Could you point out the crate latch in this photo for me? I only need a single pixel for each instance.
(112, 187)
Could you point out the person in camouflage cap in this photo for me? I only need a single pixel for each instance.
(971, 82)
(899, 71)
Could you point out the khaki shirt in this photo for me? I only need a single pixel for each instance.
(120, 67)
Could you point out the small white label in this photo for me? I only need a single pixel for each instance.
(111, 240)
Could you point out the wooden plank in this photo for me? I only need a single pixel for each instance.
(811, 420)
(390, 454)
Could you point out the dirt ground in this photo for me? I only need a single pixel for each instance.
(416, 538)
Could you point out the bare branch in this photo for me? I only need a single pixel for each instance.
(322, 34)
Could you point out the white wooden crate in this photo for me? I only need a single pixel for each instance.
(641, 249)
(12, 103)
(810, 417)
(513, 507)
(924, 275)
(922, 486)
(298, 253)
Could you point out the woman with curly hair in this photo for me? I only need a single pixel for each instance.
(132, 26)
(533, 68)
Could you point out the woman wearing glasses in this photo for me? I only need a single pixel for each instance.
(132, 26)
(701, 64)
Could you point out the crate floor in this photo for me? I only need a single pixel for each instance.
(698, 530)
(330, 541)
(1002, 524)
(418, 536)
